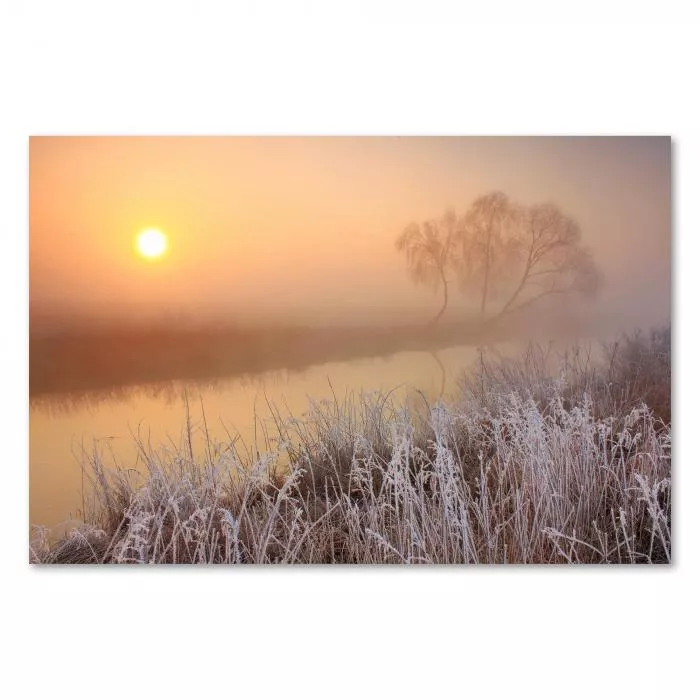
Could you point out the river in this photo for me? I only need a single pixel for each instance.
(66, 427)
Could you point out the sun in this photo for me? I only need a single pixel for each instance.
(151, 243)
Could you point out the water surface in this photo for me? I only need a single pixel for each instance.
(65, 427)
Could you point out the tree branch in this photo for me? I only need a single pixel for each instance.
(505, 311)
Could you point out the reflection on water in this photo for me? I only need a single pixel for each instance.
(66, 427)
(167, 392)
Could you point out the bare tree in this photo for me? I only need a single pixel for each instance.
(552, 260)
(518, 255)
(486, 249)
(502, 253)
(429, 250)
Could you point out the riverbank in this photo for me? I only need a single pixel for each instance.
(92, 357)
(525, 466)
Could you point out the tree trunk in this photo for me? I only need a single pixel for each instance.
(487, 264)
(444, 301)
(484, 290)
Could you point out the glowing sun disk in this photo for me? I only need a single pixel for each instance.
(151, 243)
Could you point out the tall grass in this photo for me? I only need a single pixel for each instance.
(536, 460)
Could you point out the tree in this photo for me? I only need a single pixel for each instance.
(501, 251)
(551, 259)
(429, 250)
(486, 249)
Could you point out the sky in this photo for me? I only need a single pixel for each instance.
(303, 228)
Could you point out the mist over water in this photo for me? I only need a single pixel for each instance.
(282, 280)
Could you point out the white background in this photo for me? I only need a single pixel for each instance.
(357, 68)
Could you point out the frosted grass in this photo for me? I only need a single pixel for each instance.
(524, 466)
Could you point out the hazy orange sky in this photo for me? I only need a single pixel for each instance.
(304, 227)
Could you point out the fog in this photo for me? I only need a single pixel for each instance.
(303, 269)
(302, 230)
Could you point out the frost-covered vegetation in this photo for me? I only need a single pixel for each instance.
(535, 460)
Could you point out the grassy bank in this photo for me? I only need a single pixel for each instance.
(115, 357)
(85, 359)
(539, 460)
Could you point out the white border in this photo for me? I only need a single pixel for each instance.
(309, 68)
